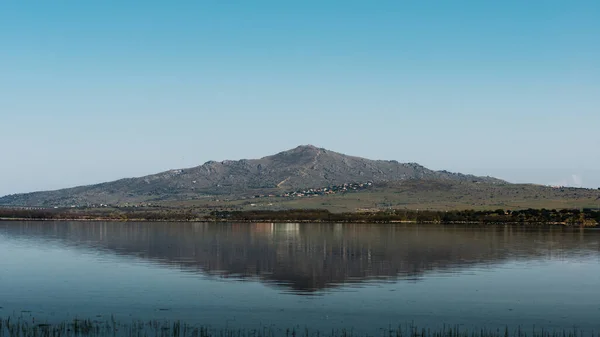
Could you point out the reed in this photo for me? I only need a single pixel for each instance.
(29, 327)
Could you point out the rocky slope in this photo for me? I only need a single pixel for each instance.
(302, 167)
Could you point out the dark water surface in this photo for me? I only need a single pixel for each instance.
(321, 276)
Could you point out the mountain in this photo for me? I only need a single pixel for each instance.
(305, 166)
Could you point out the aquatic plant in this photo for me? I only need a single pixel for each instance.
(29, 327)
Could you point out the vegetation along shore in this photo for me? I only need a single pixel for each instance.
(564, 217)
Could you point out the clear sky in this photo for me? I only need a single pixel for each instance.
(92, 91)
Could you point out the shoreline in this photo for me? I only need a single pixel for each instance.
(298, 221)
(528, 217)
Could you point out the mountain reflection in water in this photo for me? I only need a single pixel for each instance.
(308, 258)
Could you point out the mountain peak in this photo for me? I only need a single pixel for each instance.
(305, 166)
(307, 147)
(301, 151)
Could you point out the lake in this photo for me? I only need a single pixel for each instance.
(320, 276)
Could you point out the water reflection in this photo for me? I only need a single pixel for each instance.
(306, 258)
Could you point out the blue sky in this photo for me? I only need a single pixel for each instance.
(98, 90)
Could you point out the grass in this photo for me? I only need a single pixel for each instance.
(22, 327)
(422, 195)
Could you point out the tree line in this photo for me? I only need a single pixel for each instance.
(586, 217)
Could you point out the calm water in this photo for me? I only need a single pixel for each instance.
(315, 275)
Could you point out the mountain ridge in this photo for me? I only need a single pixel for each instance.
(305, 166)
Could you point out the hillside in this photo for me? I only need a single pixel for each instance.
(302, 167)
(420, 194)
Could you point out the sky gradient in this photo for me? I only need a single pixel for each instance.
(92, 91)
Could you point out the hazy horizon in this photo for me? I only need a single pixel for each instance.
(94, 92)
